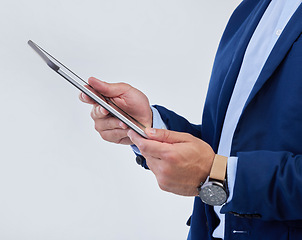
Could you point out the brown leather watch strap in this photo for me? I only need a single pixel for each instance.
(218, 170)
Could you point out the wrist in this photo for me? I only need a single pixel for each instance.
(214, 190)
(209, 163)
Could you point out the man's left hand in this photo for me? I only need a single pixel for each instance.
(179, 161)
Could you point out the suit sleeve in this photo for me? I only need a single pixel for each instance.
(178, 123)
(268, 184)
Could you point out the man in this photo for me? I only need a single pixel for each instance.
(246, 157)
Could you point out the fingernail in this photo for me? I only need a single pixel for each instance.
(103, 111)
(98, 110)
(123, 125)
(82, 97)
(152, 131)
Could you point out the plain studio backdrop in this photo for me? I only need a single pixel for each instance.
(58, 179)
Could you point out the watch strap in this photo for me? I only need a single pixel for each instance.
(219, 166)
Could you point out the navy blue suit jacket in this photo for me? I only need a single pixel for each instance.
(267, 200)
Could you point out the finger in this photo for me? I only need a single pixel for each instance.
(167, 136)
(108, 89)
(149, 147)
(118, 136)
(152, 161)
(98, 112)
(135, 138)
(84, 98)
(109, 123)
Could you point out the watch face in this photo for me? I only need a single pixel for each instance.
(213, 193)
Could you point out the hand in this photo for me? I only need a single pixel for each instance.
(179, 161)
(128, 98)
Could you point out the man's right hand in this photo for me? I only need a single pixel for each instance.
(128, 98)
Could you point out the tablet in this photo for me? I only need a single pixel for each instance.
(79, 83)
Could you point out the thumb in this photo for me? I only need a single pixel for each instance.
(167, 136)
(108, 89)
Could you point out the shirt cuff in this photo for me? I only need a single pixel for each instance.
(157, 123)
(231, 175)
(135, 149)
(157, 120)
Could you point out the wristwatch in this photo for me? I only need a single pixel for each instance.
(214, 190)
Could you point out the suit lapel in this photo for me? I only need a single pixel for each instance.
(290, 33)
(232, 74)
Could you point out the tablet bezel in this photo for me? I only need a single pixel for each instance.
(102, 100)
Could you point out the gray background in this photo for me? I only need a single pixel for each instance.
(58, 179)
